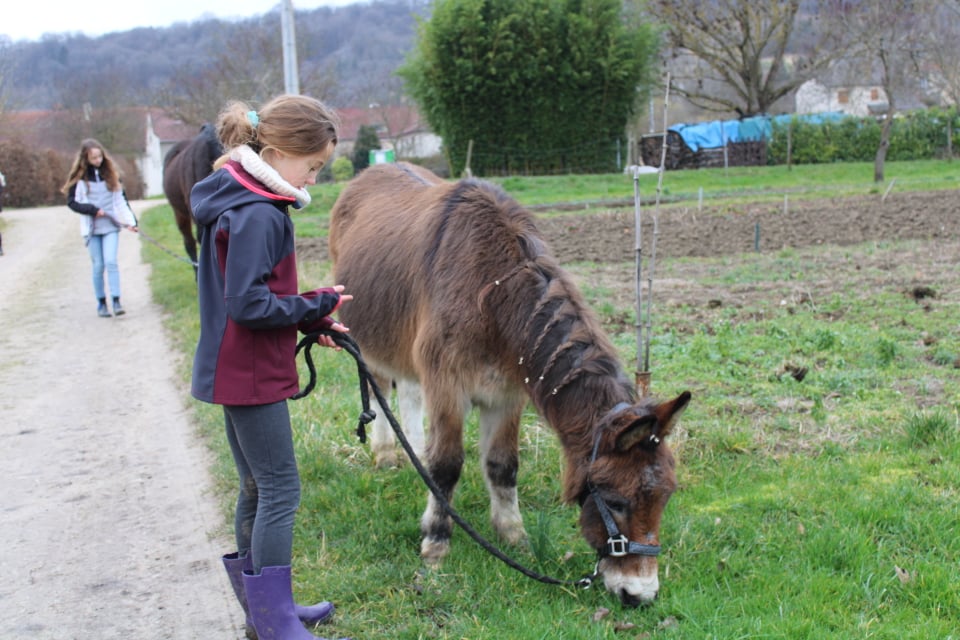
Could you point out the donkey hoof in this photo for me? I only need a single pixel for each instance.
(510, 530)
(386, 460)
(432, 551)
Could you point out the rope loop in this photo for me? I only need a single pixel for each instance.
(367, 382)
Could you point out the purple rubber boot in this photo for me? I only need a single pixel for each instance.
(270, 602)
(236, 565)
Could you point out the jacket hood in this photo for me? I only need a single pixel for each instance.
(228, 188)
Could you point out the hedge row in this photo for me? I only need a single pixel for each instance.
(915, 136)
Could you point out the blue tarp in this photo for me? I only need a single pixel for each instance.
(812, 118)
(716, 133)
(708, 135)
(756, 128)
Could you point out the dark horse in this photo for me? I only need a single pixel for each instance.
(187, 163)
(457, 292)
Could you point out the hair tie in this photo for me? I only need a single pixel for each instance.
(253, 118)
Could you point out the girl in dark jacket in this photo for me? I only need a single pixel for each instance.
(250, 311)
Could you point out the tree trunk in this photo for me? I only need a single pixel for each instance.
(882, 147)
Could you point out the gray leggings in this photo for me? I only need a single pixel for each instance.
(262, 444)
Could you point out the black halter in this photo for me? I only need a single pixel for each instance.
(617, 544)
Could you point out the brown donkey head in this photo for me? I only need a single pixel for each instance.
(623, 492)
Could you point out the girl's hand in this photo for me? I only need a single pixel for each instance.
(326, 341)
(343, 296)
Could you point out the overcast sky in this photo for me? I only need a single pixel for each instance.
(31, 19)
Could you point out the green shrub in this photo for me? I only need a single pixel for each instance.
(342, 169)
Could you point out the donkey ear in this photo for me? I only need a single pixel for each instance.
(668, 412)
(641, 431)
(650, 429)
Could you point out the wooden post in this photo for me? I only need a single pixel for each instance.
(467, 173)
(643, 383)
(950, 140)
(790, 145)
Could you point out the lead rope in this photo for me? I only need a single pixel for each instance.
(153, 241)
(165, 249)
(349, 345)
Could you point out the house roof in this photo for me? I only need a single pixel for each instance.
(61, 129)
(170, 129)
(390, 121)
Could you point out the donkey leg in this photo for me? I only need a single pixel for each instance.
(410, 402)
(382, 439)
(499, 429)
(444, 463)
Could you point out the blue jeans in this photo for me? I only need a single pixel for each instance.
(261, 441)
(103, 255)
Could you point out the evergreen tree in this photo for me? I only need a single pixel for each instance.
(367, 140)
(540, 86)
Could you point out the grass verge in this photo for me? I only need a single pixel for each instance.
(813, 506)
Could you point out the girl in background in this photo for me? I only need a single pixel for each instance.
(94, 190)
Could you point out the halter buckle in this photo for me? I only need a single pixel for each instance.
(617, 547)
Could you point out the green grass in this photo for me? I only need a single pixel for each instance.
(715, 186)
(821, 508)
(738, 183)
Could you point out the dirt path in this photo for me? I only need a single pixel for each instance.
(109, 527)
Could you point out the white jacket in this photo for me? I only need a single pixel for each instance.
(120, 212)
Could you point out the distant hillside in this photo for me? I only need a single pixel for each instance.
(350, 51)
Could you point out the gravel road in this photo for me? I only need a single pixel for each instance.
(109, 528)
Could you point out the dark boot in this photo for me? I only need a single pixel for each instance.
(102, 310)
(233, 563)
(236, 565)
(117, 309)
(270, 601)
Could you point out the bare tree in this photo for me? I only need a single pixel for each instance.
(319, 80)
(942, 49)
(97, 104)
(243, 63)
(99, 90)
(373, 85)
(743, 56)
(247, 65)
(889, 43)
(7, 61)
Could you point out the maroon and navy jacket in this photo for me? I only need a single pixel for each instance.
(250, 309)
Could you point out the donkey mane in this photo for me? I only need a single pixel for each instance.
(569, 367)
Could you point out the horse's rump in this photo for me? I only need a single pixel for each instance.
(185, 164)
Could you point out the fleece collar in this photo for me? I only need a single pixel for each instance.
(253, 164)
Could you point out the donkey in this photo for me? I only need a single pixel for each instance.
(187, 163)
(456, 291)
